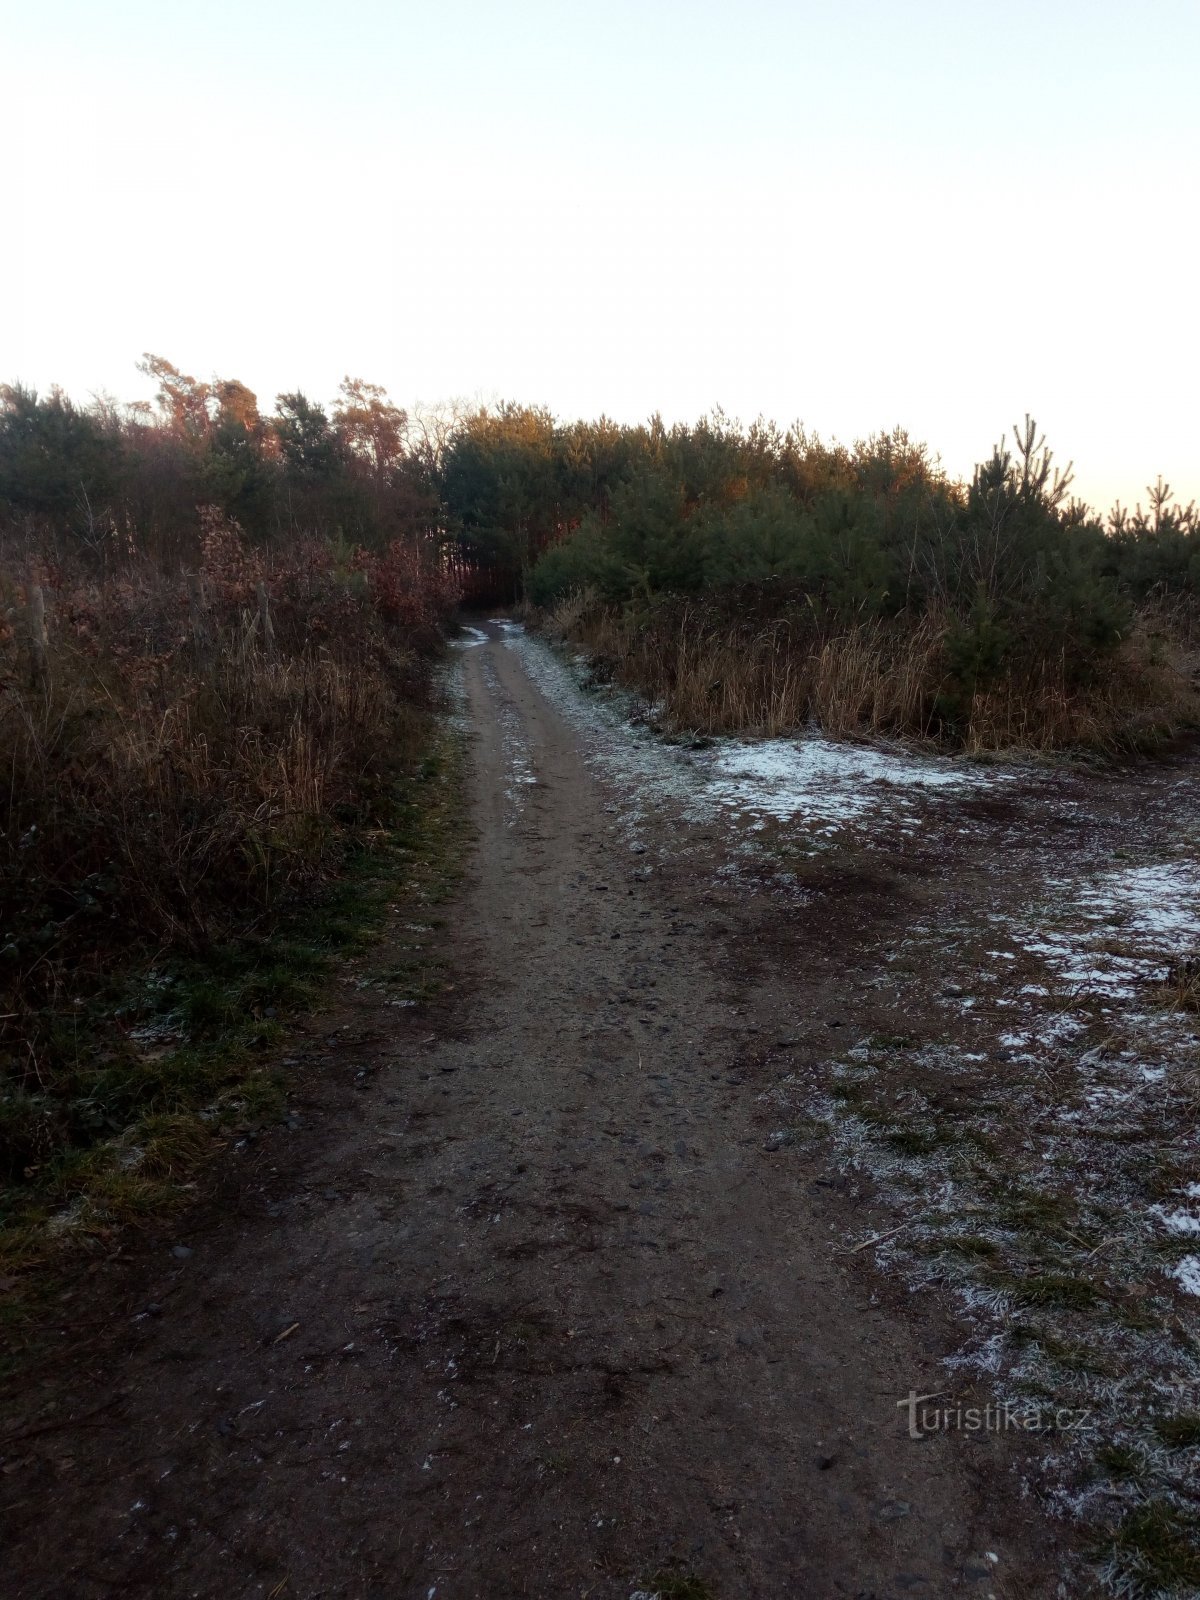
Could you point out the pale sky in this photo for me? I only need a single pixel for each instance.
(857, 214)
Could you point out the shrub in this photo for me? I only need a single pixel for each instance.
(863, 589)
(195, 754)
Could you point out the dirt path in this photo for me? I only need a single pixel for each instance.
(548, 1310)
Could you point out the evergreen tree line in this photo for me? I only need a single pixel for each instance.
(521, 504)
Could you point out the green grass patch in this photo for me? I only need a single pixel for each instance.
(678, 1584)
(920, 1139)
(1155, 1550)
(1058, 1289)
(974, 1246)
(1073, 1356)
(1121, 1462)
(1179, 1433)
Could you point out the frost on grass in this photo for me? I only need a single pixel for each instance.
(1123, 929)
(1047, 1178)
(1178, 1221)
(816, 782)
(452, 691)
(827, 783)
(1045, 1230)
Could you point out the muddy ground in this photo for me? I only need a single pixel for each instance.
(581, 1290)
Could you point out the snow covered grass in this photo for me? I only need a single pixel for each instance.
(827, 783)
(820, 784)
(1128, 926)
(1057, 1221)
(1044, 1160)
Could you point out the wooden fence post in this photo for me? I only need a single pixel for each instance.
(201, 635)
(39, 670)
(264, 619)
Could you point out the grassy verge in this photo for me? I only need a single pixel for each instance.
(764, 665)
(1048, 1186)
(174, 1055)
(208, 797)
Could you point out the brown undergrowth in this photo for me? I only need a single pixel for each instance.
(712, 667)
(190, 762)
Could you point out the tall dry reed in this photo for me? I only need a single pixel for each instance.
(191, 751)
(710, 670)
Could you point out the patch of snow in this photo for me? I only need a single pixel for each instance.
(1145, 916)
(469, 638)
(834, 783)
(1187, 1274)
(1158, 905)
(1177, 1221)
(814, 780)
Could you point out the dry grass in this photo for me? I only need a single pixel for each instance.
(713, 672)
(185, 757)
(1181, 990)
